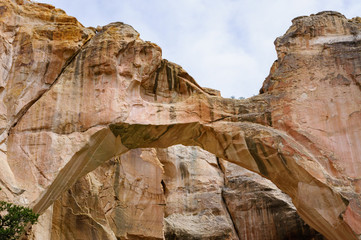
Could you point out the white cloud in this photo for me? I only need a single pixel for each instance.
(223, 44)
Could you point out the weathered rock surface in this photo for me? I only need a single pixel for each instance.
(129, 197)
(122, 199)
(319, 59)
(37, 41)
(125, 199)
(259, 209)
(193, 191)
(109, 91)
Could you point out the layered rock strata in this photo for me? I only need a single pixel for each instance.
(108, 91)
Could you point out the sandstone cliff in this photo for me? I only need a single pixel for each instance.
(74, 99)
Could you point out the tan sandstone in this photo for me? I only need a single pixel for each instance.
(109, 92)
(187, 196)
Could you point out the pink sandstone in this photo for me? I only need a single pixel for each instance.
(74, 98)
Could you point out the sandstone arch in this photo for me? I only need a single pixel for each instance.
(260, 149)
(116, 93)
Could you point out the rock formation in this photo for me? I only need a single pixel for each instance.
(128, 198)
(259, 209)
(74, 98)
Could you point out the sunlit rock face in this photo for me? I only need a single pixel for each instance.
(75, 98)
(37, 43)
(322, 54)
(319, 59)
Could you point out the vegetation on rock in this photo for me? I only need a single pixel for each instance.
(13, 220)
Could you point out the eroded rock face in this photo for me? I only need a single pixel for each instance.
(110, 92)
(122, 199)
(324, 114)
(259, 209)
(37, 41)
(193, 191)
(129, 198)
(174, 193)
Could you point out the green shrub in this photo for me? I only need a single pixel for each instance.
(13, 220)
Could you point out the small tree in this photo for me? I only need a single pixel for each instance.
(13, 220)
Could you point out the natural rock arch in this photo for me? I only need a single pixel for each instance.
(116, 93)
(257, 148)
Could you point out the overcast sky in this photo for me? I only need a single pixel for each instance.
(224, 44)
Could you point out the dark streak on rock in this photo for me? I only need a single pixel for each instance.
(50, 49)
(284, 161)
(183, 170)
(169, 77)
(269, 118)
(264, 153)
(252, 148)
(175, 80)
(172, 113)
(345, 200)
(46, 67)
(156, 79)
(116, 186)
(164, 187)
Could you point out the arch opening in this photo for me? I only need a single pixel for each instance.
(257, 148)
